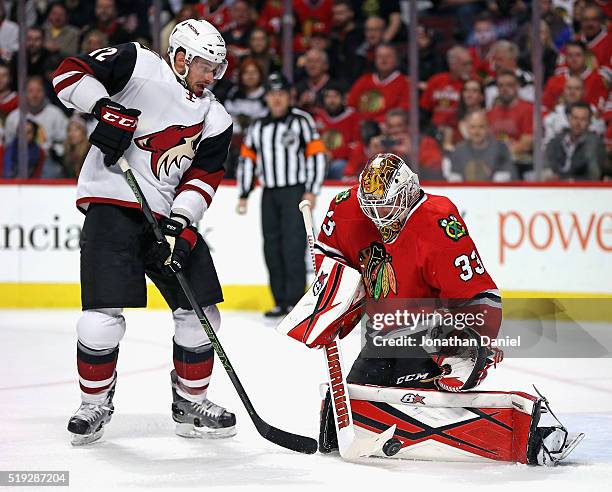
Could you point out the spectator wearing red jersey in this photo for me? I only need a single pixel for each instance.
(396, 139)
(504, 58)
(595, 87)
(9, 99)
(217, 12)
(310, 89)
(595, 35)
(237, 33)
(441, 98)
(310, 12)
(339, 129)
(374, 94)
(556, 121)
(374, 30)
(511, 119)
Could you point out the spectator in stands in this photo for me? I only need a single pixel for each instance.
(338, 127)
(76, 147)
(80, 12)
(245, 101)
(309, 12)
(389, 11)
(441, 98)
(50, 118)
(481, 40)
(360, 152)
(94, 40)
(511, 119)
(9, 35)
(261, 51)
(185, 12)
(595, 87)
(36, 154)
(9, 100)
(480, 157)
(217, 12)
(560, 32)
(59, 36)
(549, 51)
(36, 54)
(472, 99)
(556, 121)
(373, 94)
(504, 58)
(431, 60)
(594, 34)
(374, 31)
(107, 22)
(237, 34)
(309, 90)
(346, 38)
(576, 154)
(396, 139)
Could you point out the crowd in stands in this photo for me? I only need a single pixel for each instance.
(475, 87)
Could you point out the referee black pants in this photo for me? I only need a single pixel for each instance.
(284, 243)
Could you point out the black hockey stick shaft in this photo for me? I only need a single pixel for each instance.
(295, 442)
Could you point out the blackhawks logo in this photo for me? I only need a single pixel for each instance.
(343, 195)
(377, 272)
(453, 229)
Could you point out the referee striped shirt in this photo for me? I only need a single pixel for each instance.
(282, 152)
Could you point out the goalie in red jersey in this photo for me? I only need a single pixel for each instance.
(406, 259)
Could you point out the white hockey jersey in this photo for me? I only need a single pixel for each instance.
(180, 143)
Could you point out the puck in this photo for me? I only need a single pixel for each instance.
(392, 446)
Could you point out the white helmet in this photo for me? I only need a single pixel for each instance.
(197, 38)
(387, 190)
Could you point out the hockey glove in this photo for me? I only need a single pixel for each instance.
(115, 129)
(181, 241)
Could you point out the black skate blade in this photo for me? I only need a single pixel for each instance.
(294, 442)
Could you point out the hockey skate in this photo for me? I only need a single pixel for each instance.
(87, 424)
(200, 420)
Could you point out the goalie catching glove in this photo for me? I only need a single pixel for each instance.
(115, 129)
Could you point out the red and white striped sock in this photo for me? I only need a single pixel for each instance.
(193, 367)
(96, 372)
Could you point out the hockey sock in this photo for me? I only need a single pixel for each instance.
(193, 367)
(96, 372)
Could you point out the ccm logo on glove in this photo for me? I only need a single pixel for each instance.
(119, 120)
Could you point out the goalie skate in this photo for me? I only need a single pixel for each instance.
(87, 424)
(200, 419)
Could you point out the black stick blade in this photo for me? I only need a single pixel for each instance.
(295, 442)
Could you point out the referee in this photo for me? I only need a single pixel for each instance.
(284, 151)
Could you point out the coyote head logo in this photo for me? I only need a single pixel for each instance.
(169, 146)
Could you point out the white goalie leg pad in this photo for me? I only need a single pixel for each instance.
(101, 329)
(188, 331)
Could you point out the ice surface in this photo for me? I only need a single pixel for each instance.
(38, 393)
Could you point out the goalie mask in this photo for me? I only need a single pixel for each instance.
(387, 190)
(198, 38)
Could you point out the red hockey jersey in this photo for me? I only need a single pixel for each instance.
(373, 97)
(338, 132)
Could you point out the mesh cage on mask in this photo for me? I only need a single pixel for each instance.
(387, 190)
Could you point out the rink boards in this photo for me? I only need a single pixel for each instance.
(540, 241)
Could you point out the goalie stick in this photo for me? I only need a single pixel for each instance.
(295, 442)
(350, 446)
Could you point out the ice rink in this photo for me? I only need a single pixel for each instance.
(39, 391)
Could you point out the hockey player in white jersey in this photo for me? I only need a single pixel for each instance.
(175, 135)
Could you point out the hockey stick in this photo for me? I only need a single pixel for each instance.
(295, 442)
(350, 446)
